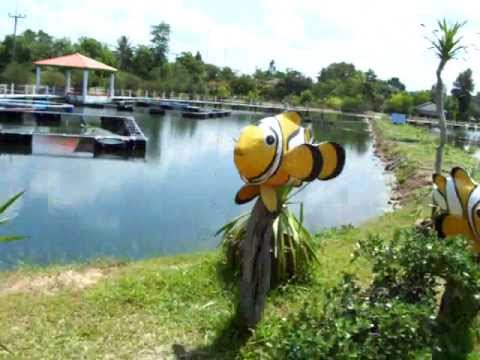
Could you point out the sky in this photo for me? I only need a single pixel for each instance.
(305, 35)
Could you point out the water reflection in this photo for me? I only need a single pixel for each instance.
(174, 200)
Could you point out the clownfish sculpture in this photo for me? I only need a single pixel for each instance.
(458, 198)
(279, 151)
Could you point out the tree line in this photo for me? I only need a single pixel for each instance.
(339, 86)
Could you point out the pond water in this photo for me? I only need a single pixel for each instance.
(174, 200)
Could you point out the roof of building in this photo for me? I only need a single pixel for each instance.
(428, 106)
(76, 61)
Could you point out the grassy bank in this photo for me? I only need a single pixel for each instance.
(168, 307)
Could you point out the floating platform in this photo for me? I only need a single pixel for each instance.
(205, 114)
(69, 134)
(157, 110)
(35, 105)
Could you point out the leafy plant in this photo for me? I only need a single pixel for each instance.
(294, 248)
(4, 219)
(395, 316)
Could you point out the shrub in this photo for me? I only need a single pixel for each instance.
(395, 317)
(354, 104)
(334, 103)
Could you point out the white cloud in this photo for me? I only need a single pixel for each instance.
(306, 34)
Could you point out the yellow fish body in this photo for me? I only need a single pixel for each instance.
(279, 151)
(458, 198)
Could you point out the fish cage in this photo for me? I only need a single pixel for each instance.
(70, 134)
(35, 105)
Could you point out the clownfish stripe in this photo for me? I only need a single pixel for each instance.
(438, 225)
(340, 152)
(453, 201)
(291, 143)
(317, 163)
(473, 201)
(274, 165)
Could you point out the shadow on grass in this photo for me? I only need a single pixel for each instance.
(226, 346)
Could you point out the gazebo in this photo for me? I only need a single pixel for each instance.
(76, 61)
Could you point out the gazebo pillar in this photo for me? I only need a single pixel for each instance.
(68, 81)
(85, 85)
(112, 84)
(37, 77)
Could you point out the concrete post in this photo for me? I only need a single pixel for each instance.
(85, 85)
(146, 93)
(112, 84)
(129, 93)
(12, 88)
(68, 81)
(38, 76)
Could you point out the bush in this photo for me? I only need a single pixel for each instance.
(354, 104)
(334, 102)
(395, 317)
(18, 74)
(52, 78)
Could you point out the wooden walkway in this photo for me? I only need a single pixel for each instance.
(452, 124)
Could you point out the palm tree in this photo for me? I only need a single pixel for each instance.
(124, 53)
(446, 42)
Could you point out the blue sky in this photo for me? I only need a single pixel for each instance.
(302, 34)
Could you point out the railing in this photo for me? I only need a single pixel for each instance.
(31, 90)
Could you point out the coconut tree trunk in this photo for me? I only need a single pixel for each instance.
(256, 257)
(441, 118)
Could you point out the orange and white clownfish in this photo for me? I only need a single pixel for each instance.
(279, 151)
(458, 198)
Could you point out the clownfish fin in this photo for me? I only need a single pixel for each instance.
(452, 225)
(441, 182)
(464, 185)
(303, 162)
(333, 160)
(292, 116)
(269, 197)
(247, 193)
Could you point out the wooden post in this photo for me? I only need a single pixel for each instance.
(256, 257)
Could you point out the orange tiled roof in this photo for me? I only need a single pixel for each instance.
(77, 61)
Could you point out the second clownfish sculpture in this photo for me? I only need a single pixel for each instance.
(458, 198)
(279, 151)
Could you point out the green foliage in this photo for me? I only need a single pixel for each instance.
(400, 102)
(17, 73)
(294, 248)
(447, 40)
(394, 317)
(3, 219)
(160, 39)
(462, 91)
(354, 104)
(53, 78)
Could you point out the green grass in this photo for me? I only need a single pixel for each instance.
(149, 309)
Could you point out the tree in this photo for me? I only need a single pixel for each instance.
(337, 71)
(396, 84)
(124, 53)
(160, 39)
(143, 61)
(446, 43)
(400, 103)
(271, 68)
(462, 91)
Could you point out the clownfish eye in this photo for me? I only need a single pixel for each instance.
(270, 140)
(478, 212)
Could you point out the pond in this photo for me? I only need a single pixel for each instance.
(173, 201)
